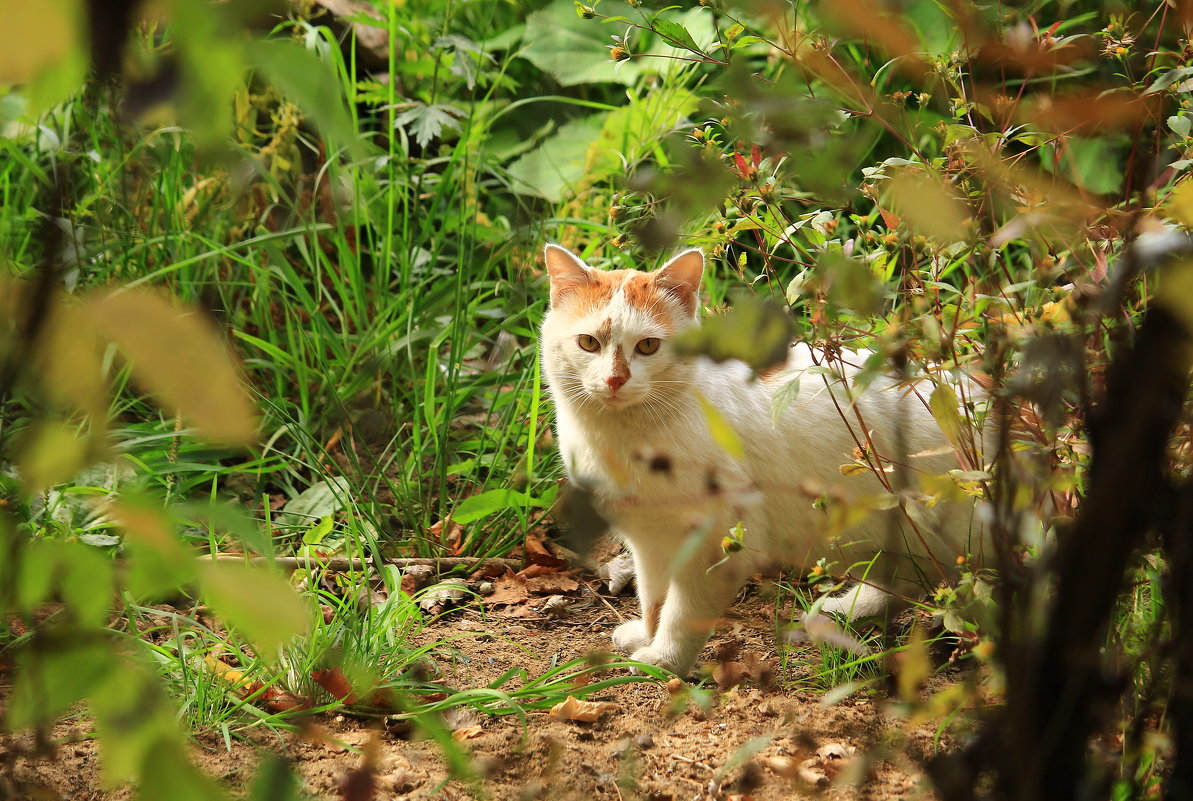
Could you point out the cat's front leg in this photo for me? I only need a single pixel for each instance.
(651, 566)
(695, 599)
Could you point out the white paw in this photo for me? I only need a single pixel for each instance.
(651, 656)
(630, 636)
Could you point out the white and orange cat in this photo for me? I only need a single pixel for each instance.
(630, 424)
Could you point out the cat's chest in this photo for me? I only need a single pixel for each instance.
(639, 464)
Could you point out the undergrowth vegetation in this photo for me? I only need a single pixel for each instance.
(354, 210)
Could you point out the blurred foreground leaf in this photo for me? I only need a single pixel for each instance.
(180, 357)
(756, 330)
(259, 603)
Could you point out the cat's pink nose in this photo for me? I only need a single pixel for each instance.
(615, 382)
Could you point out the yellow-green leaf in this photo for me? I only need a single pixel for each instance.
(179, 356)
(41, 47)
(722, 433)
(1175, 287)
(915, 666)
(159, 563)
(257, 602)
(70, 363)
(52, 452)
(943, 405)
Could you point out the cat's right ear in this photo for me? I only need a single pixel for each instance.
(567, 272)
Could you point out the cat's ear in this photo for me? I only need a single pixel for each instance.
(567, 272)
(681, 277)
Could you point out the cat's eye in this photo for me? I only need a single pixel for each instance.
(648, 346)
(588, 342)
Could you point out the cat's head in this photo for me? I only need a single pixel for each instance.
(606, 339)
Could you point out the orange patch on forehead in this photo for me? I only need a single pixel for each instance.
(641, 292)
(592, 294)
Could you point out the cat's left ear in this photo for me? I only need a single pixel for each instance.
(681, 277)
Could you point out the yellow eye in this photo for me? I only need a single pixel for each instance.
(588, 342)
(648, 346)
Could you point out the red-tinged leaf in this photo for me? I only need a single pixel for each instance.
(336, 683)
(755, 156)
(743, 169)
(889, 219)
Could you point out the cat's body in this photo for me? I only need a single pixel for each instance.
(630, 423)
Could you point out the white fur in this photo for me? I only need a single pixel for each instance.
(673, 520)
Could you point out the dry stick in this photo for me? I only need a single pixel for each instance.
(343, 563)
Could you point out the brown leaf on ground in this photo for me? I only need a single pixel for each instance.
(452, 539)
(415, 577)
(729, 674)
(442, 595)
(336, 683)
(467, 733)
(270, 697)
(539, 553)
(581, 711)
(534, 571)
(552, 584)
(508, 589)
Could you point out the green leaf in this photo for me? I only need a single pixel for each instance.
(42, 47)
(168, 775)
(257, 602)
(572, 50)
(205, 387)
(722, 433)
(317, 532)
(1169, 78)
(313, 85)
(51, 452)
(943, 406)
(56, 670)
(675, 33)
(783, 398)
(321, 499)
(427, 122)
(275, 781)
(84, 580)
(757, 331)
(557, 166)
(486, 503)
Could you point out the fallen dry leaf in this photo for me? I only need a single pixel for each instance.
(508, 589)
(453, 541)
(415, 577)
(785, 766)
(270, 697)
(533, 571)
(539, 553)
(581, 711)
(336, 683)
(442, 595)
(729, 674)
(467, 733)
(618, 572)
(552, 584)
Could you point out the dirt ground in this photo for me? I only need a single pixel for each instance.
(753, 743)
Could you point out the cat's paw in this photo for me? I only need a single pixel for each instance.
(653, 656)
(630, 636)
